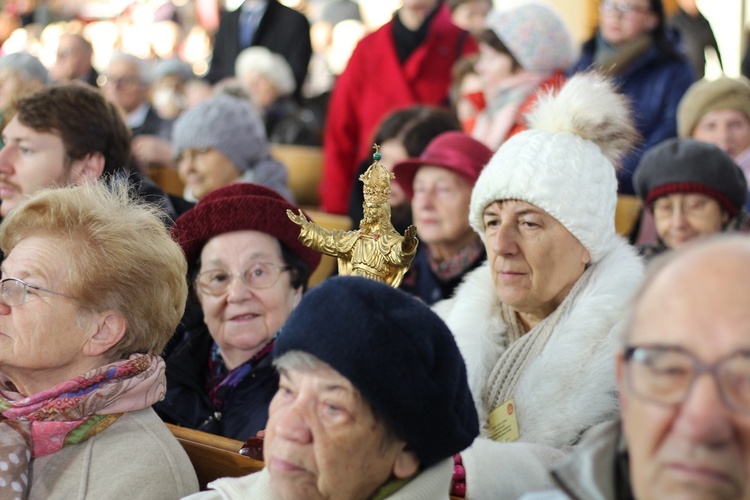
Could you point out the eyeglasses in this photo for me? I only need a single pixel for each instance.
(623, 8)
(690, 206)
(16, 291)
(123, 81)
(665, 374)
(258, 276)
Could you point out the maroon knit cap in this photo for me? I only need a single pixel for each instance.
(454, 151)
(238, 207)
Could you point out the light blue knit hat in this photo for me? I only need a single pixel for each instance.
(536, 36)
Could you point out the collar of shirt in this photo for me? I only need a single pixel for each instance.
(138, 116)
(255, 5)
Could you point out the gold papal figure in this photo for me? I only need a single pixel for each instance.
(375, 250)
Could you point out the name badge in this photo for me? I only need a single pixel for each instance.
(504, 422)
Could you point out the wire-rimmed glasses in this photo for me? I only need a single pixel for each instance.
(258, 276)
(665, 375)
(15, 291)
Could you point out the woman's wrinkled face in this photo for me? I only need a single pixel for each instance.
(533, 259)
(243, 319)
(323, 442)
(728, 129)
(440, 206)
(683, 218)
(44, 337)
(622, 21)
(204, 170)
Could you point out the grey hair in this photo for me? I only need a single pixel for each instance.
(269, 64)
(26, 66)
(144, 67)
(303, 361)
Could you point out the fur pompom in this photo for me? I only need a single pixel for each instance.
(589, 106)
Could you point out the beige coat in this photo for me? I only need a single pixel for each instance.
(135, 458)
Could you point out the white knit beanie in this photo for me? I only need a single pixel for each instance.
(564, 163)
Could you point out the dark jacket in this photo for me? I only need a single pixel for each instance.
(421, 282)
(654, 84)
(187, 403)
(281, 30)
(289, 123)
(697, 35)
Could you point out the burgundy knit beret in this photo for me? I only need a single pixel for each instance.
(237, 207)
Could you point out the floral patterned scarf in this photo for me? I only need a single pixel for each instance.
(70, 413)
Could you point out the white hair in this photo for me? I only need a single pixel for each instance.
(269, 64)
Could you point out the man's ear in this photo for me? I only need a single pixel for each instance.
(88, 169)
(406, 464)
(110, 329)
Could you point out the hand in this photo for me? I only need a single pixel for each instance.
(150, 149)
(410, 240)
(300, 219)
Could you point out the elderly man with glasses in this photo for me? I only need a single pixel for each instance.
(684, 381)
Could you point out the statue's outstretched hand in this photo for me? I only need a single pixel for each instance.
(410, 240)
(300, 219)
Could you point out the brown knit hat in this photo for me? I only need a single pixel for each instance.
(237, 207)
(705, 96)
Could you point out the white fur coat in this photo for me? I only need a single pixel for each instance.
(567, 389)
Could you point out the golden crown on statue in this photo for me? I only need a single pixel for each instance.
(377, 180)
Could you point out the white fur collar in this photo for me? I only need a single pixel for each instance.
(571, 385)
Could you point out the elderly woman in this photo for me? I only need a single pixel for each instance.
(718, 111)
(536, 324)
(221, 141)
(268, 79)
(248, 272)
(439, 184)
(524, 50)
(337, 431)
(633, 46)
(84, 314)
(692, 188)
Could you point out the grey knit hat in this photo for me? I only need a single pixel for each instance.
(26, 64)
(229, 124)
(689, 166)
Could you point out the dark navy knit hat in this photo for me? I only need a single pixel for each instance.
(398, 354)
(688, 166)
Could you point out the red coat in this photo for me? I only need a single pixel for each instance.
(374, 84)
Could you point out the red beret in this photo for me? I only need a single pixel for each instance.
(237, 207)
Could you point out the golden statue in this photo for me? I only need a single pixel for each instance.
(375, 250)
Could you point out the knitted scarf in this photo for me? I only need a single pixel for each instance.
(70, 413)
(524, 348)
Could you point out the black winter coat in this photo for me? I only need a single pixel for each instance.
(187, 403)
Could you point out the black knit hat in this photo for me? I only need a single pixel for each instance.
(398, 354)
(236, 207)
(689, 166)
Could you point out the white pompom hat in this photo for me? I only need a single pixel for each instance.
(565, 162)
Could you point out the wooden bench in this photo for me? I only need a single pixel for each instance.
(214, 456)
(304, 166)
(626, 214)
